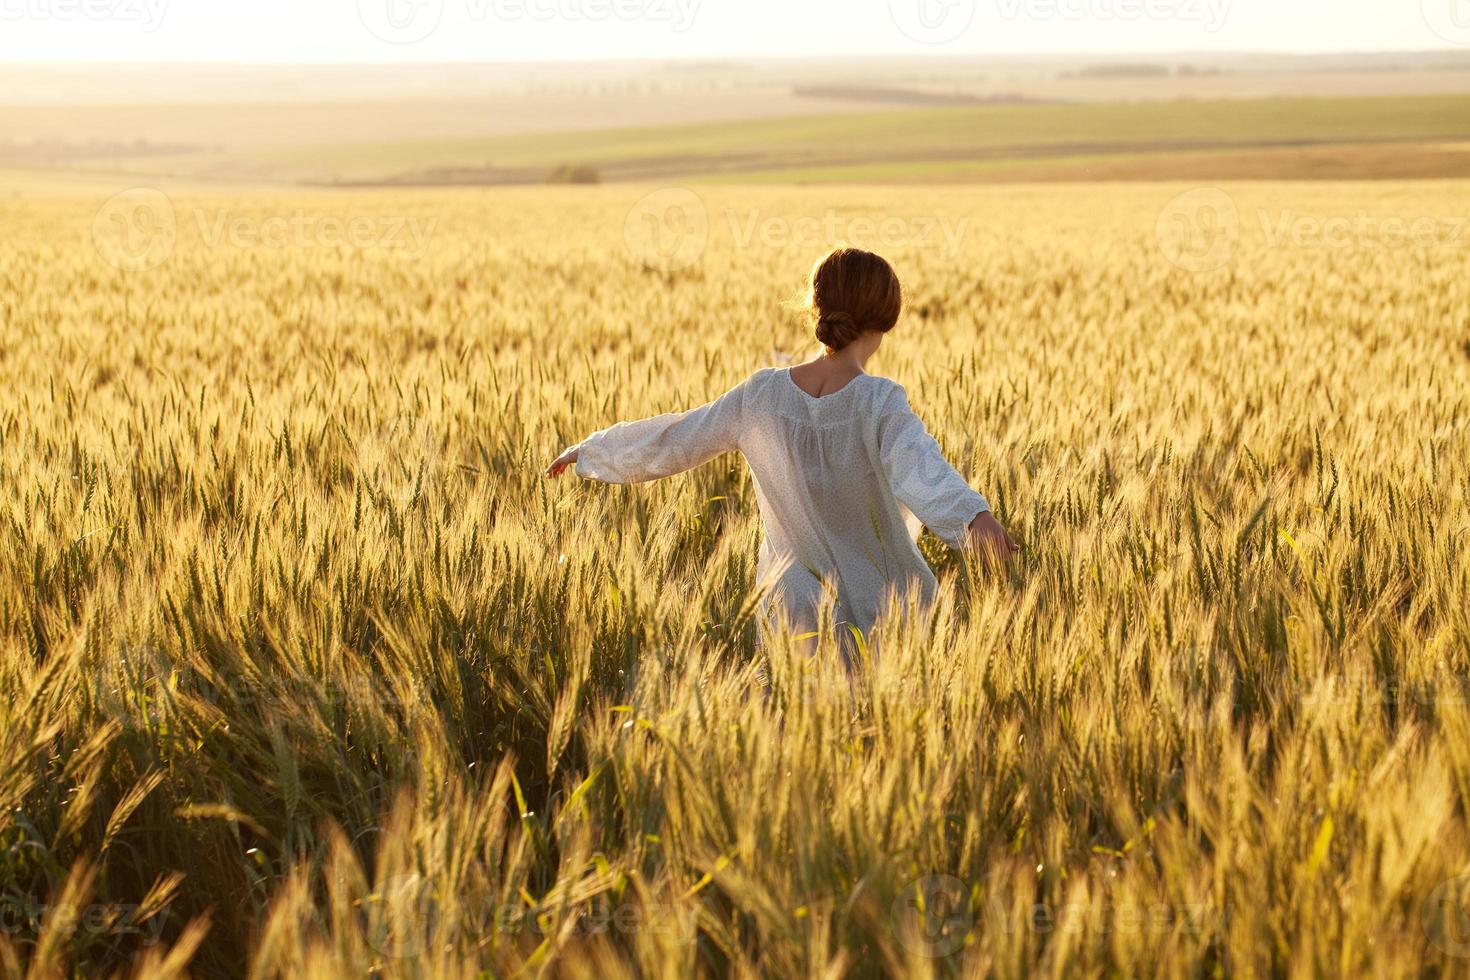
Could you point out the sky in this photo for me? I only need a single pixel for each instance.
(346, 31)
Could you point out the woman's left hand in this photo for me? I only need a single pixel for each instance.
(989, 539)
(566, 459)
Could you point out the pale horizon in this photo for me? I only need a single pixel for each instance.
(369, 32)
(742, 58)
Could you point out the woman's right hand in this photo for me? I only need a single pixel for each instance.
(559, 466)
(988, 538)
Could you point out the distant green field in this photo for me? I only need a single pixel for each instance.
(890, 144)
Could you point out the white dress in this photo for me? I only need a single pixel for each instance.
(843, 482)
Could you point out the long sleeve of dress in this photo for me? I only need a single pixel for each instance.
(650, 449)
(919, 475)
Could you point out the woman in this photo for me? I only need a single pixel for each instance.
(844, 470)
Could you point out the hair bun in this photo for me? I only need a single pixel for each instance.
(837, 330)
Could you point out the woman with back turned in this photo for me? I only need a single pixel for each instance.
(844, 470)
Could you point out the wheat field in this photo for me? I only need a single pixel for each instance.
(307, 671)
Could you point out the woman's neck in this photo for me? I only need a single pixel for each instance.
(843, 360)
(849, 358)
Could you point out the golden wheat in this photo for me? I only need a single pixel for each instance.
(307, 671)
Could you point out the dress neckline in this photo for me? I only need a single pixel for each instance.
(830, 394)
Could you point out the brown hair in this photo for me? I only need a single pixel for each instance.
(852, 292)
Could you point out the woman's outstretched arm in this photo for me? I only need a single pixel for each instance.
(650, 449)
(932, 489)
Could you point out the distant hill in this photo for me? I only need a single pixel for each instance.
(906, 96)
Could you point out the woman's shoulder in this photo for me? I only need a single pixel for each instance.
(761, 378)
(887, 394)
(882, 384)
